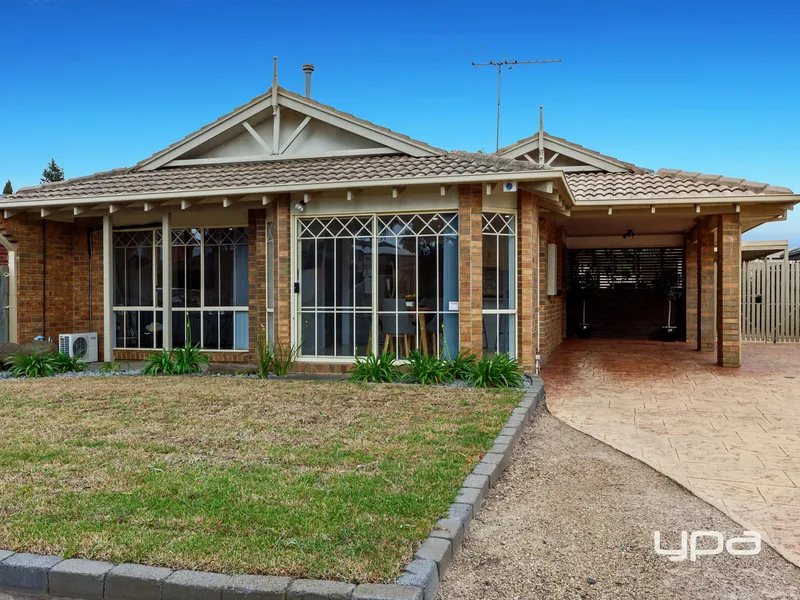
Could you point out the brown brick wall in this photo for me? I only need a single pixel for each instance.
(527, 232)
(470, 276)
(53, 277)
(282, 240)
(705, 288)
(257, 274)
(690, 254)
(551, 307)
(729, 342)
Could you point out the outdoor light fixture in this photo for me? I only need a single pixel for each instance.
(299, 207)
(629, 234)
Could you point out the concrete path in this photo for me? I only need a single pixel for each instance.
(574, 518)
(731, 436)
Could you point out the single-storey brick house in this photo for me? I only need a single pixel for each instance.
(344, 237)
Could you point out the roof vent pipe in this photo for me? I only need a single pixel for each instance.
(308, 70)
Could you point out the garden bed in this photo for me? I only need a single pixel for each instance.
(321, 480)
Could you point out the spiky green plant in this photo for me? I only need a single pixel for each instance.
(284, 356)
(115, 367)
(36, 364)
(426, 369)
(498, 371)
(462, 365)
(266, 355)
(375, 369)
(63, 363)
(159, 363)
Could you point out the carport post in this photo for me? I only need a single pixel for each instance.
(729, 265)
(690, 253)
(705, 285)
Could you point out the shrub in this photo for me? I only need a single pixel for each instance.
(62, 363)
(266, 356)
(32, 365)
(375, 369)
(159, 363)
(498, 371)
(283, 357)
(188, 360)
(115, 367)
(427, 369)
(462, 365)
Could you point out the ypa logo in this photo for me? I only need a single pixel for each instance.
(752, 539)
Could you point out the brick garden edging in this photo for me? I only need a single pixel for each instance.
(99, 580)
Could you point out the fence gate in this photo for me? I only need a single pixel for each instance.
(771, 301)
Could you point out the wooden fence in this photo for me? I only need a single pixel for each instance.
(771, 301)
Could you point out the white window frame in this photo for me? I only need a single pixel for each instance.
(182, 309)
(509, 230)
(156, 241)
(374, 310)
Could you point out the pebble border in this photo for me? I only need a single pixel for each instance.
(97, 580)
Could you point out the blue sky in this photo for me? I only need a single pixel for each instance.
(701, 86)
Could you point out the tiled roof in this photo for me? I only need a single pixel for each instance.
(666, 183)
(289, 94)
(272, 173)
(524, 141)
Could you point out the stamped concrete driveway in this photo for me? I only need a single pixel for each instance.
(730, 436)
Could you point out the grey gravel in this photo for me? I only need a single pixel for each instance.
(571, 510)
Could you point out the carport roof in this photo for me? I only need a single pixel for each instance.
(666, 183)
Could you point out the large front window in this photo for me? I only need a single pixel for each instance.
(499, 264)
(209, 288)
(407, 299)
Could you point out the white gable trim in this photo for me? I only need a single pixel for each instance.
(388, 142)
(591, 159)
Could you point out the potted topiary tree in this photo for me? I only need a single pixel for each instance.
(584, 285)
(667, 287)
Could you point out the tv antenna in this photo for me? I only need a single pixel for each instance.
(500, 65)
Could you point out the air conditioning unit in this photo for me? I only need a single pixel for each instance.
(79, 344)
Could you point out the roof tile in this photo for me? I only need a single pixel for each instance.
(667, 183)
(273, 173)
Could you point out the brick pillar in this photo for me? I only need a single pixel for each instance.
(705, 287)
(470, 281)
(257, 274)
(527, 233)
(282, 240)
(691, 270)
(729, 341)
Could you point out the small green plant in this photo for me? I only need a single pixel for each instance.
(63, 363)
(114, 367)
(180, 361)
(266, 355)
(375, 369)
(283, 357)
(498, 371)
(159, 363)
(188, 360)
(427, 370)
(32, 365)
(462, 365)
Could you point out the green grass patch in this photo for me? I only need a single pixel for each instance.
(320, 480)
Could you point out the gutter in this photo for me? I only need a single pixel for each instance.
(554, 175)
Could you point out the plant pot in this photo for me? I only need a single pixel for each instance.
(583, 331)
(669, 333)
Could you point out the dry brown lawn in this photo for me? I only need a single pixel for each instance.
(331, 480)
